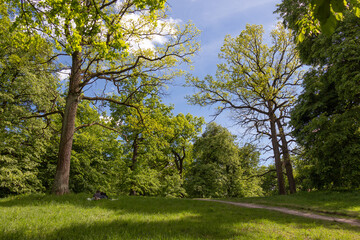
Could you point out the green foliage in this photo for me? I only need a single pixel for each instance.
(268, 180)
(153, 4)
(115, 37)
(131, 45)
(96, 155)
(258, 84)
(220, 167)
(25, 89)
(144, 181)
(76, 25)
(214, 152)
(326, 115)
(252, 75)
(157, 145)
(172, 186)
(311, 17)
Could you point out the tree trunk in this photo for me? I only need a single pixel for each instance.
(179, 161)
(286, 156)
(61, 181)
(278, 164)
(134, 160)
(135, 147)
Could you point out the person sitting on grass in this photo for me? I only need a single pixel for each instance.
(100, 195)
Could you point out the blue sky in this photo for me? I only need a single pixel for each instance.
(215, 19)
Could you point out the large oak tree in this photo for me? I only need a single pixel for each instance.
(104, 43)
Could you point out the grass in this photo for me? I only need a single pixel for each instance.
(346, 204)
(73, 217)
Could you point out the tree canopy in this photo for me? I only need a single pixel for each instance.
(326, 116)
(311, 17)
(221, 168)
(111, 42)
(26, 90)
(258, 84)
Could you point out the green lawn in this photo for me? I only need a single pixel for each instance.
(345, 204)
(73, 217)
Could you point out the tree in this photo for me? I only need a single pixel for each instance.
(155, 140)
(316, 16)
(106, 42)
(268, 180)
(220, 167)
(96, 154)
(183, 130)
(25, 91)
(326, 115)
(259, 85)
(143, 131)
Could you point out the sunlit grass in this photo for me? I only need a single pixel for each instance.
(332, 202)
(73, 217)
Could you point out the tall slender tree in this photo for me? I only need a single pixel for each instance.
(258, 84)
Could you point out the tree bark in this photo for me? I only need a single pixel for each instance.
(61, 181)
(275, 144)
(134, 160)
(135, 146)
(179, 161)
(286, 156)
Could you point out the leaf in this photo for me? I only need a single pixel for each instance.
(330, 25)
(357, 11)
(355, 2)
(338, 5)
(301, 37)
(322, 11)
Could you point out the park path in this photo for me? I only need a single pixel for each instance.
(352, 222)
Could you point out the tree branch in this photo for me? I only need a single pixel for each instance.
(101, 125)
(44, 115)
(261, 175)
(114, 101)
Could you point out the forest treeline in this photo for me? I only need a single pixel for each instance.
(81, 110)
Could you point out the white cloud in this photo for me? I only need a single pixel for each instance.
(145, 35)
(64, 74)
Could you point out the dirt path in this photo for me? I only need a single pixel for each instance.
(353, 222)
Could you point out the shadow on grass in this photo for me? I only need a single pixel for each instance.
(189, 228)
(181, 219)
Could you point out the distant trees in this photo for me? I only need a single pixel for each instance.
(221, 168)
(26, 91)
(258, 83)
(157, 145)
(96, 155)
